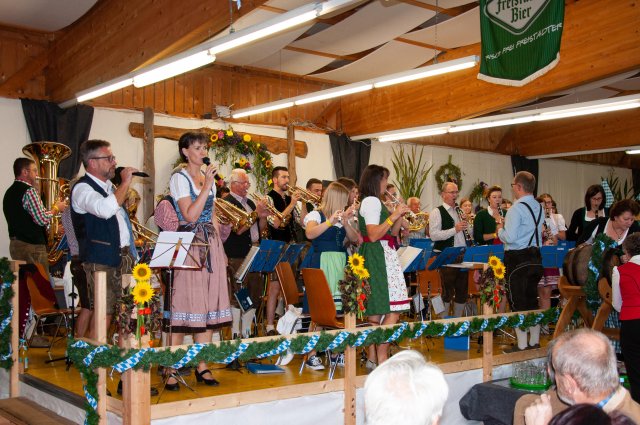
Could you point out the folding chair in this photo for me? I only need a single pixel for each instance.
(429, 286)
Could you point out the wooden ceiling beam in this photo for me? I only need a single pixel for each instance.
(12, 86)
(118, 36)
(586, 55)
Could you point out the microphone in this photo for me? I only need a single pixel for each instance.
(207, 161)
(140, 174)
(117, 179)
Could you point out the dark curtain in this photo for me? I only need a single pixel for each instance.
(47, 122)
(522, 163)
(635, 179)
(350, 158)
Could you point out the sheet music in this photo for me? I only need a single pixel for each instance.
(163, 254)
(246, 263)
(406, 255)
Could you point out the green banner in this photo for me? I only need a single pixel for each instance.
(520, 39)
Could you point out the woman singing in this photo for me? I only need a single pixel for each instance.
(593, 208)
(200, 300)
(484, 225)
(379, 227)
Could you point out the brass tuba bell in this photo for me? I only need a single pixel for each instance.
(47, 156)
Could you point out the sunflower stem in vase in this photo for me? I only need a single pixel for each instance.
(492, 287)
(354, 288)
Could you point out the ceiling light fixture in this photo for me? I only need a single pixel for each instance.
(426, 71)
(331, 93)
(267, 107)
(104, 88)
(632, 152)
(173, 66)
(433, 131)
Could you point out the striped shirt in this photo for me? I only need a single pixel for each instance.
(34, 206)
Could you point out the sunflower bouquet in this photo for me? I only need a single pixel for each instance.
(354, 288)
(492, 283)
(139, 310)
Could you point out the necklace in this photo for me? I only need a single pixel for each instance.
(618, 234)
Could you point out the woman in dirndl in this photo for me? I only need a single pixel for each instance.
(200, 299)
(379, 227)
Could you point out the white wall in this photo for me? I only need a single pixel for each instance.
(566, 181)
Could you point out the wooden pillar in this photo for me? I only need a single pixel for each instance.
(148, 165)
(14, 378)
(487, 349)
(291, 154)
(100, 332)
(350, 374)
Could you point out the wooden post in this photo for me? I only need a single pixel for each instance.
(100, 332)
(291, 154)
(148, 165)
(487, 349)
(14, 378)
(350, 374)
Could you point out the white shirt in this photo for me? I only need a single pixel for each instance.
(370, 209)
(435, 227)
(315, 216)
(616, 296)
(85, 200)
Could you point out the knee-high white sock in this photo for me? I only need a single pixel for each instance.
(534, 335)
(247, 322)
(522, 338)
(235, 321)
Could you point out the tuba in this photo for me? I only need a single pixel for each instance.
(227, 213)
(47, 156)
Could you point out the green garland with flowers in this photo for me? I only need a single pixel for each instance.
(6, 276)
(601, 243)
(448, 172)
(218, 354)
(228, 145)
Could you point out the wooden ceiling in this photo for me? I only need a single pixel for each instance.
(601, 38)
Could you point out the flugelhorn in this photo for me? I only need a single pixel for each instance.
(227, 213)
(305, 195)
(284, 221)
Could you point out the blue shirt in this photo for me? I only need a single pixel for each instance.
(519, 225)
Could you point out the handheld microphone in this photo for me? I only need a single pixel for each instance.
(207, 161)
(135, 173)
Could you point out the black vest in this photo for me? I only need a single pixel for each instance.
(281, 204)
(98, 239)
(447, 223)
(19, 221)
(238, 246)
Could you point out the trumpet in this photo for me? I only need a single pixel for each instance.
(305, 195)
(417, 221)
(227, 213)
(284, 221)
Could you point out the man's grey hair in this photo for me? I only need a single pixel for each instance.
(235, 175)
(588, 357)
(446, 185)
(405, 390)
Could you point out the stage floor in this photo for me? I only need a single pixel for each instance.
(56, 373)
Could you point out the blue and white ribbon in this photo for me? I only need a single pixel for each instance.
(445, 328)
(89, 359)
(3, 325)
(484, 325)
(396, 334)
(284, 345)
(520, 321)
(132, 361)
(231, 357)
(423, 327)
(462, 330)
(501, 322)
(192, 352)
(361, 338)
(592, 266)
(339, 339)
(310, 345)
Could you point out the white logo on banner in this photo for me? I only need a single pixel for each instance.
(515, 16)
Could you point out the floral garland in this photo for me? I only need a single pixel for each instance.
(139, 312)
(354, 288)
(449, 172)
(492, 283)
(6, 313)
(601, 243)
(87, 357)
(229, 145)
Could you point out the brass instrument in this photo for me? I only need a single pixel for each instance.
(47, 156)
(417, 221)
(463, 217)
(273, 211)
(227, 213)
(305, 195)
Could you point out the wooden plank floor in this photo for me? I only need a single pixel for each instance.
(21, 411)
(235, 382)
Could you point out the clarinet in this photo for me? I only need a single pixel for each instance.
(462, 217)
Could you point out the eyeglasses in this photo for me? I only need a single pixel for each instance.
(110, 158)
(454, 193)
(247, 182)
(514, 184)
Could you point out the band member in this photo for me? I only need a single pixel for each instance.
(594, 201)
(551, 233)
(467, 208)
(414, 205)
(521, 234)
(446, 230)
(100, 223)
(26, 215)
(237, 246)
(278, 230)
(620, 223)
(354, 201)
(484, 225)
(302, 208)
(506, 204)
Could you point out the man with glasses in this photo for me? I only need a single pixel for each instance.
(521, 233)
(237, 246)
(446, 230)
(101, 225)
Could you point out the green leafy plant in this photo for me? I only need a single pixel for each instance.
(620, 189)
(410, 172)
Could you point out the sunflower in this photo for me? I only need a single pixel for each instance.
(242, 162)
(498, 272)
(229, 133)
(364, 274)
(494, 261)
(141, 272)
(268, 163)
(356, 261)
(213, 138)
(359, 272)
(142, 292)
(246, 137)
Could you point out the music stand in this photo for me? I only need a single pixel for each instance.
(265, 263)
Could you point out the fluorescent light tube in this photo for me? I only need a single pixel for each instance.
(426, 71)
(488, 124)
(588, 110)
(331, 93)
(632, 152)
(172, 68)
(413, 134)
(285, 21)
(268, 107)
(103, 89)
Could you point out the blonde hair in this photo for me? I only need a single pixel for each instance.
(335, 198)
